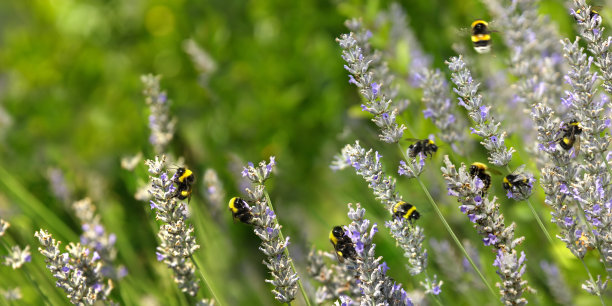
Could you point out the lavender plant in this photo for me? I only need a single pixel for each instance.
(489, 223)
(556, 283)
(485, 124)
(356, 54)
(161, 125)
(377, 288)
(267, 228)
(336, 280)
(177, 244)
(78, 271)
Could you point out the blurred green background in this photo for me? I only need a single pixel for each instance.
(71, 99)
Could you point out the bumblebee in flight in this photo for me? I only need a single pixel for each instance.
(406, 210)
(570, 137)
(184, 180)
(343, 245)
(241, 210)
(426, 146)
(480, 170)
(481, 36)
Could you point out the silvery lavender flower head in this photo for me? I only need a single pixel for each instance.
(555, 282)
(160, 123)
(13, 294)
(377, 288)
(439, 108)
(213, 188)
(356, 54)
(454, 268)
(78, 271)
(95, 237)
(17, 257)
(510, 268)
(202, 61)
(485, 124)
(3, 226)
(368, 165)
(177, 242)
(59, 187)
(599, 45)
(267, 228)
(489, 223)
(336, 280)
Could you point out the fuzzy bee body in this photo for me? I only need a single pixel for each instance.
(240, 210)
(570, 135)
(184, 180)
(426, 146)
(406, 210)
(592, 14)
(516, 180)
(343, 245)
(481, 36)
(480, 170)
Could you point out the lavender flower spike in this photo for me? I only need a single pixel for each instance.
(177, 243)
(17, 257)
(160, 123)
(333, 279)
(267, 228)
(77, 271)
(356, 54)
(485, 125)
(368, 164)
(489, 223)
(377, 288)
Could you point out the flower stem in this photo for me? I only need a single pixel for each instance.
(35, 283)
(435, 297)
(210, 289)
(282, 237)
(592, 280)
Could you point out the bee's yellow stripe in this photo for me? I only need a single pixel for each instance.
(566, 140)
(185, 175)
(507, 181)
(232, 206)
(481, 37)
(333, 239)
(185, 193)
(479, 21)
(409, 212)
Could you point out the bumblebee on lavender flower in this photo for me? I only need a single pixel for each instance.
(480, 170)
(570, 136)
(241, 210)
(184, 179)
(406, 210)
(426, 146)
(518, 184)
(343, 245)
(592, 14)
(481, 36)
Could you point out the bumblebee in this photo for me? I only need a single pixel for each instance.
(406, 210)
(241, 210)
(481, 36)
(426, 146)
(343, 245)
(570, 137)
(480, 170)
(592, 14)
(184, 180)
(516, 179)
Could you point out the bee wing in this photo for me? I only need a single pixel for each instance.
(412, 139)
(519, 169)
(577, 144)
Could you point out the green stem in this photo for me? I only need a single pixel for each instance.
(457, 242)
(201, 271)
(592, 280)
(537, 217)
(280, 233)
(450, 230)
(29, 277)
